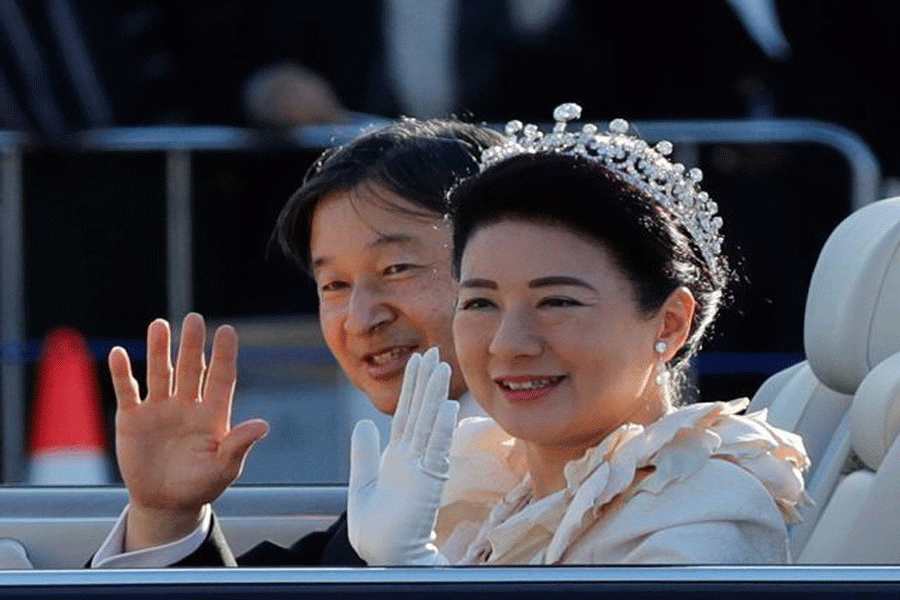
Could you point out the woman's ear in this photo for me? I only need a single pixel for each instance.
(675, 318)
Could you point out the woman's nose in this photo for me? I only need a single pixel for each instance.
(516, 335)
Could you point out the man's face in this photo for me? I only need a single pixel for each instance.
(385, 287)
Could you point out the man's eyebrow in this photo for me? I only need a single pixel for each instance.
(386, 239)
(553, 280)
(320, 262)
(478, 283)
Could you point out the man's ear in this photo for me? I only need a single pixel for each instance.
(675, 317)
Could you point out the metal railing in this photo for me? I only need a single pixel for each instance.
(178, 144)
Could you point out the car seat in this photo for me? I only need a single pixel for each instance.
(860, 523)
(851, 324)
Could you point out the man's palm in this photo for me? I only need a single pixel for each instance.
(176, 450)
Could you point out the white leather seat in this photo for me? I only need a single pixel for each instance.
(860, 523)
(13, 555)
(772, 386)
(805, 405)
(852, 322)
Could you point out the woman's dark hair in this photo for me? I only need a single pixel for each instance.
(416, 160)
(643, 238)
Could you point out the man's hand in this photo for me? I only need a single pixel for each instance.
(176, 448)
(392, 503)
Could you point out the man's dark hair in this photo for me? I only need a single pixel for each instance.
(416, 160)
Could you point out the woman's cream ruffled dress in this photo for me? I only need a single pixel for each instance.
(702, 484)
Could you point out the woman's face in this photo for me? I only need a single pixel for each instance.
(549, 336)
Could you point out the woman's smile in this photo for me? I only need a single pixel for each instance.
(527, 387)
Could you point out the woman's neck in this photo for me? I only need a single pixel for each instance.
(547, 463)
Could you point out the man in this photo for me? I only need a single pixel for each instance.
(367, 225)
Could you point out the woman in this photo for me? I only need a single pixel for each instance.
(589, 269)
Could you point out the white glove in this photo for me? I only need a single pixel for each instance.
(392, 504)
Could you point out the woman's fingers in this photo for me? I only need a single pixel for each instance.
(124, 383)
(365, 462)
(436, 390)
(365, 456)
(191, 362)
(159, 361)
(429, 361)
(401, 413)
(436, 459)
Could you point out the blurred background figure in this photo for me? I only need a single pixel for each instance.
(287, 95)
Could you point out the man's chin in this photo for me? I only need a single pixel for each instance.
(383, 395)
(386, 406)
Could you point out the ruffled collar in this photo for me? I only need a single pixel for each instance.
(675, 446)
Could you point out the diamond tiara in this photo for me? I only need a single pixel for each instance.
(634, 159)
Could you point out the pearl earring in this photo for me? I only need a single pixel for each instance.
(662, 373)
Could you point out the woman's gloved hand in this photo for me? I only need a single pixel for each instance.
(393, 501)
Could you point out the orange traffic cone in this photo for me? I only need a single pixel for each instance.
(68, 444)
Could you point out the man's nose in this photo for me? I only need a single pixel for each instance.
(367, 310)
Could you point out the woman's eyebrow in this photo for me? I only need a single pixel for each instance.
(478, 283)
(553, 280)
